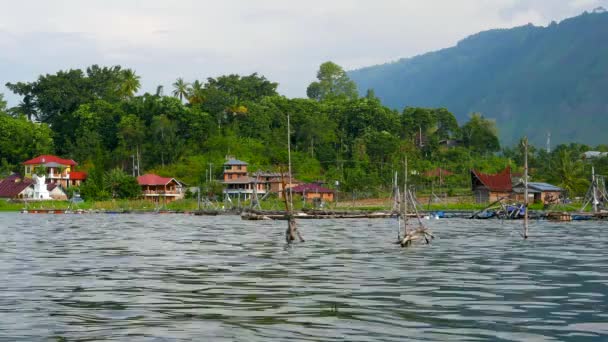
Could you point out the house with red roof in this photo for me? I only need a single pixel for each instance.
(56, 170)
(312, 192)
(15, 187)
(160, 189)
(491, 187)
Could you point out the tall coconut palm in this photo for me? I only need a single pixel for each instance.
(196, 94)
(130, 83)
(181, 89)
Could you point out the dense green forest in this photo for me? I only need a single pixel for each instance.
(531, 80)
(94, 117)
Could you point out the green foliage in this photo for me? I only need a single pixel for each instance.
(120, 185)
(530, 79)
(333, 82)
(21, 139)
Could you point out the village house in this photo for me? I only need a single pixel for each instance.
(56, 170)
(491, 187)
(237, 182)
(274, 181)
(313, 192)
(160, 189)
(16, 187)
(539, 192)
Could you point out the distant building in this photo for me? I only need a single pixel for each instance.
(237, 181)
(274, 181)
(594, 155)
(160, 189)
(314, 192)
(20, 188)
(56, 170)
(539, 192)
(491, 187)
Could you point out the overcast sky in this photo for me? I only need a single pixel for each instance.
(285, 40)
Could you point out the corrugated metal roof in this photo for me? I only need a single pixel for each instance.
(543, 186)
(235, 162)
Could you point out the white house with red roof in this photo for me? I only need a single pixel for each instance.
(160, 189)
(56, 170)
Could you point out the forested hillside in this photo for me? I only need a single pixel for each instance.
(95, 117)
(532, 80)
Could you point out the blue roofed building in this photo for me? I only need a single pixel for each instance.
(544, 193)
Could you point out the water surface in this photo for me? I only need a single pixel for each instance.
(179, 277)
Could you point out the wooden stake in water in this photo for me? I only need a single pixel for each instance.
(292, 229)
(525, 142)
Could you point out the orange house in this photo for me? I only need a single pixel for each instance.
(160, 189)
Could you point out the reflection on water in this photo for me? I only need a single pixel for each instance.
(178, 277)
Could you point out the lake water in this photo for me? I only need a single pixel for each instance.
(179, 277)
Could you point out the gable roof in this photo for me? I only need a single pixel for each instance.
(47, 158)
(13, 185)
(152, 179)
(495, 182)
(311, 187)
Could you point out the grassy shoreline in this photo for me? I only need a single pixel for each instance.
(186, 205)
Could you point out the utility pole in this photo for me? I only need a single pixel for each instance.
(548, 142)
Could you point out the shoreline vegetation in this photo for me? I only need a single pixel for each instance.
(349, 142)
(191, 205)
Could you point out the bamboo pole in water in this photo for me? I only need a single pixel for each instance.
(525, 187)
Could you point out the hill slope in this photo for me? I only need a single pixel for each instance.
(532, 80)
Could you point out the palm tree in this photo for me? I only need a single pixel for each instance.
(130, 83)
(569, 173)
(196, 94)
(181, 89)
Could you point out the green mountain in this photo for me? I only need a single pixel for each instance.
(532, 80)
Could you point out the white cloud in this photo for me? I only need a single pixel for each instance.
(283, 40)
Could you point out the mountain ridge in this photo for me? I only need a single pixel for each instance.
(531, 79)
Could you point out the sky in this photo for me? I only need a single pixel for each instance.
(284, 40)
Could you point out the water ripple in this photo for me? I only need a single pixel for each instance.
(178, 277)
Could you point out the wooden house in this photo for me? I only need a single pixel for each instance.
(274, 181)
(539, 192)
(491, 187)
(314, 192)
(234, 168)
(160, 189)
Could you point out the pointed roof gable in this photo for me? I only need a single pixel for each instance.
(13, 185)
(495, 182)
(47, 158)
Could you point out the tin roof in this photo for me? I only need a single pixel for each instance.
(538, 186)
(235, 162)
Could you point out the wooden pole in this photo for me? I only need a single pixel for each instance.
(526, 187)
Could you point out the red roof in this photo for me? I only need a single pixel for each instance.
(152, 179)
(312, 187)
(43, 159)
(13, 185)
(497, 182)
(78, 175)
(438, 172)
